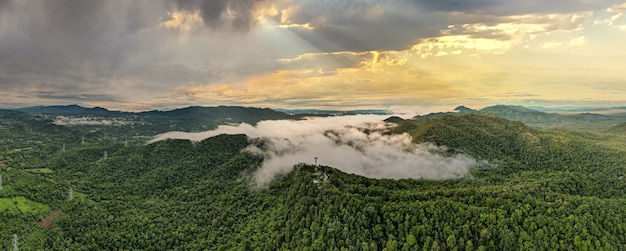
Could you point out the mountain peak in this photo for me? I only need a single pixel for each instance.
(464, 109)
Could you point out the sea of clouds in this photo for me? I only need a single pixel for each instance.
(353, 144)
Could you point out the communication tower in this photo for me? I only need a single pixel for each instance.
(15, 243)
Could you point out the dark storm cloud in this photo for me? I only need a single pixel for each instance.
(79, 40)
(366, 25)
(368, 36)
(4, 4)
(503, 8)
(238, 14)
(78, 97)
(93, 37)
(89, 45)
(456, 5)
(344, 10)
(400, 24)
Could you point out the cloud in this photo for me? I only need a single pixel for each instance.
(502, 35)
(618, 7)
(151, 52)
(510, 7)
(236, 14)
(578, 41)
(304, 11)
(353, 144)
(379, 81)
(551, 44)
(121, 49)
(610, 21)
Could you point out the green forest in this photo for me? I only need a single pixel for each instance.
(538, 188)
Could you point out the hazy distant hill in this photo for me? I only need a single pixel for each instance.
(236, 113)
(621, 128)
(520, 113)
(69, 110)
(331, 112)
(533, 118)
(194, 118)
(233, 113)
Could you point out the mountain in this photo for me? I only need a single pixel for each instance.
(189, 119)
(26, 128)
(484, 136)
(394, 119)
(463, 109)
(539, 119)
(532, 189)
(519, 113)
(332, 112)
(619, 129)
(234, 113)
(131, 124)
(68, 110)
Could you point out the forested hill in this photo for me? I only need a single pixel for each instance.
(189, 119)
(620, 129)
(69, 110)
(539, 119)
(536, 190)
(233, 113)
(129, 125)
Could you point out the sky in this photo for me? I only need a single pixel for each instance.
(319, 54)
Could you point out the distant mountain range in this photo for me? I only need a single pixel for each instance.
(192, 111)
(332, 112)
(67, 110)
(539, 119)
(131, 124)
(197, 118)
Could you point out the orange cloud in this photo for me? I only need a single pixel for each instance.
(391, 83)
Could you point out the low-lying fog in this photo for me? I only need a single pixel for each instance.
(353, 144)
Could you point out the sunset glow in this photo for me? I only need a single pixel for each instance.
(138, 55)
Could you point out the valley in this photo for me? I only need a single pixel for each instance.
(536, 181)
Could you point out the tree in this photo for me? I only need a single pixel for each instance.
(451, 241)
(469, 246)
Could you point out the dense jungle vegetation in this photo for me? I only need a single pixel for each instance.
(537, 189)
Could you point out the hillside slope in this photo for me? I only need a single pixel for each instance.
(539, 119)
(619, 129)
(539, 188)
(96, 123)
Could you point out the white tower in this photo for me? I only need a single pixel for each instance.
(70, 193)
(105, 154)
(15, 242)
